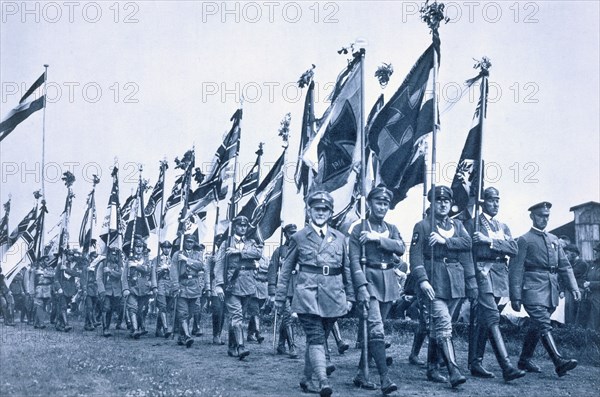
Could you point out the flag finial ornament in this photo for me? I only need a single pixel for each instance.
(307, 77)
(383, 74)
(68, 178)
(484, 64)
(432, 14)
(95, 180)
(37, 194)
(260, 152)
(284, 129)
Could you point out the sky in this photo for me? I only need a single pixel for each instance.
(140, 81)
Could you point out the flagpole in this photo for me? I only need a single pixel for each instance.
(162, 168)
(484, 65)
(44, 135)
(234, 182)
(134, 213)
(284, 133)
(425, 182)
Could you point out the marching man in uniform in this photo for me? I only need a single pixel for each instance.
(445, 277)
(186, 285)
(108, 279)
(164, 299)
(234, 281)
(492, 244)
(324, 289)
(380, 241)
(534, 283)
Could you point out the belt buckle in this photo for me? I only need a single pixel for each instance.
(326, 270)
(384, 266)
(445, 260)
(189, 276)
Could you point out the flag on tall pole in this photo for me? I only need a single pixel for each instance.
(176, 204)
(24, 109)
(303, 175)
(111, 236)
(137, 225)
(397, 133)
(468, 182)
(63, 241)
(22, 226)
(249, 183)
(154, 206)
(89, 219)
(4, 228)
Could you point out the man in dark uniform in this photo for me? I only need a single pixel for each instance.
(43, 283)
(443, 267)
(591, 283)
(108, 278)
(580, 268)
(217, 306)
(286, 330)
(7, 302)
(164, 298)
(186, 285)
(19, 292)
(324, 289)
(235, 282)
(379, 241)
(89, 286)
(533, 282)
(492, 244)
(65, 289)
(138, 282)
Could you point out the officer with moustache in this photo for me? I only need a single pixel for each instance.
(492, 245)
(534, 283)
(443, 268)
(324, 289)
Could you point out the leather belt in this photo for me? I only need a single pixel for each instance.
(492, 260)
(244, 267)
(552, 270)
(325, 270)
(380, 266)
(442, 259)
(186, 277)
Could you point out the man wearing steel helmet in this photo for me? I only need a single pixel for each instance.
(379, 241)
(492, 245)
(443, 267)
(324, 289)
(533, 282)
(234, 281)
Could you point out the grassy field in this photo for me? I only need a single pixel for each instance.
(49, 363)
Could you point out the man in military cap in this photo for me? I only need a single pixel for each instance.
(235, 282)
(253, 310)
(580, 268)
(217, 306)
(65, 285)
(324, 289)
(138, 282)
(18, 288)
(533, 282)
(7, 302)
(590, 316)
(197, 314)
(441, 261)
(164, 297)
(492, 245)
(186, 264)
(377, 241)
(108, 278)
(286, 330)
(89, 286)
(43, 283)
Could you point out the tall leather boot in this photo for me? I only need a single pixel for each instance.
(561, 365)
(251, 330)
(529, 343)
(341, 344)
(259, 337)
(38, 318)
(166, 325)
(65, 322)
(106, 324)
(185, 334)
(196, 330)
(455, 376)
(159, 331)
(9, 316)
(142, 323)
(476, 365)
(135, 331)
(216, 328)
(282, 339)
(418, 339)
(289, 335)
(239, 337)
(508, 371)
(433, 368)
(306, 383)
(316, 354)
(232, 342)
(360, 380)
(377, 350)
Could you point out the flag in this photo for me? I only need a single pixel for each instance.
(87, 223)
(23, 109)
(398, 131)
(177, 203)
(220, 171)
(303, 174)
(336, 147)
(137, 223)
(22, 226)
(18, 245)
(154, 204)
(465, 182)
(111, 226)
(249, 184)
(264, 208)
(4, 229)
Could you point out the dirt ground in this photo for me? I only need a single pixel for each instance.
(49, 363)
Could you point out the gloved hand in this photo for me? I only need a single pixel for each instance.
(219, 292)
(472, 294)
(126, 293)
(362, 295)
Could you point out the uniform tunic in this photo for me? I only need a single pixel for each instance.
(534, 276)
